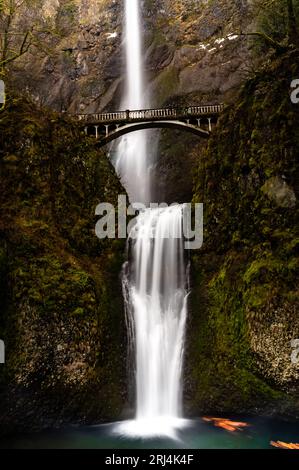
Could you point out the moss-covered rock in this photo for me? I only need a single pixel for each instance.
(61, 306)
(245, 285)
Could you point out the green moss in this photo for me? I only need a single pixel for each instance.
(258, 296)
(223, 366)
(167, 84)
(56, 276)
(247, 270)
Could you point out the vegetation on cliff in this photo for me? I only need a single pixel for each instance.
(61, 312)
(245, 291)
(277, 23)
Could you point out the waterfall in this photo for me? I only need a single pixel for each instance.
(131, 154)
(154, 282)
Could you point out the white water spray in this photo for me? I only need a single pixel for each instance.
(131, 154)
(155, 281)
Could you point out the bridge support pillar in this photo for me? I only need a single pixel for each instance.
(107, 129)
(86, 130)
(210, 124)
(198, 122)
(97, 133)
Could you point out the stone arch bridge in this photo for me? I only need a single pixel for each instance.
(107, 127)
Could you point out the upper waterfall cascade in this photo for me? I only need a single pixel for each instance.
(131, 155)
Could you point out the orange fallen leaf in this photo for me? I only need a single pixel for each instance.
(284, 445)
(226, 424)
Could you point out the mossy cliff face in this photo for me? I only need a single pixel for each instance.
(244, 304)
(61, 306)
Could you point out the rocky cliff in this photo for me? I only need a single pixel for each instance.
(190, 48)
(62, 317)
(192, 55)
(245, 286)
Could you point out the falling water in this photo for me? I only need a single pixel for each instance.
(131, 155)
(155, 279)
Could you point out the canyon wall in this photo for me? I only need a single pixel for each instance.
(244, 307)
(62, 315)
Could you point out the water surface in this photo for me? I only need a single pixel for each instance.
(197, 434)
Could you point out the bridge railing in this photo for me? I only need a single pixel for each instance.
(118, 116)
(143, 114)
(209, 109)
(153, 113)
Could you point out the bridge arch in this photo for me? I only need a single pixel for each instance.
(138, 126)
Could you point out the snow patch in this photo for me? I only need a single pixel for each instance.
(112, 35)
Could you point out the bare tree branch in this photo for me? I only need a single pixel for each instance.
(17, 36)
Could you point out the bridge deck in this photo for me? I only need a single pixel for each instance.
(129, 116)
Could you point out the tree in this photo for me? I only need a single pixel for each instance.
(21, 28)
(277, 23)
